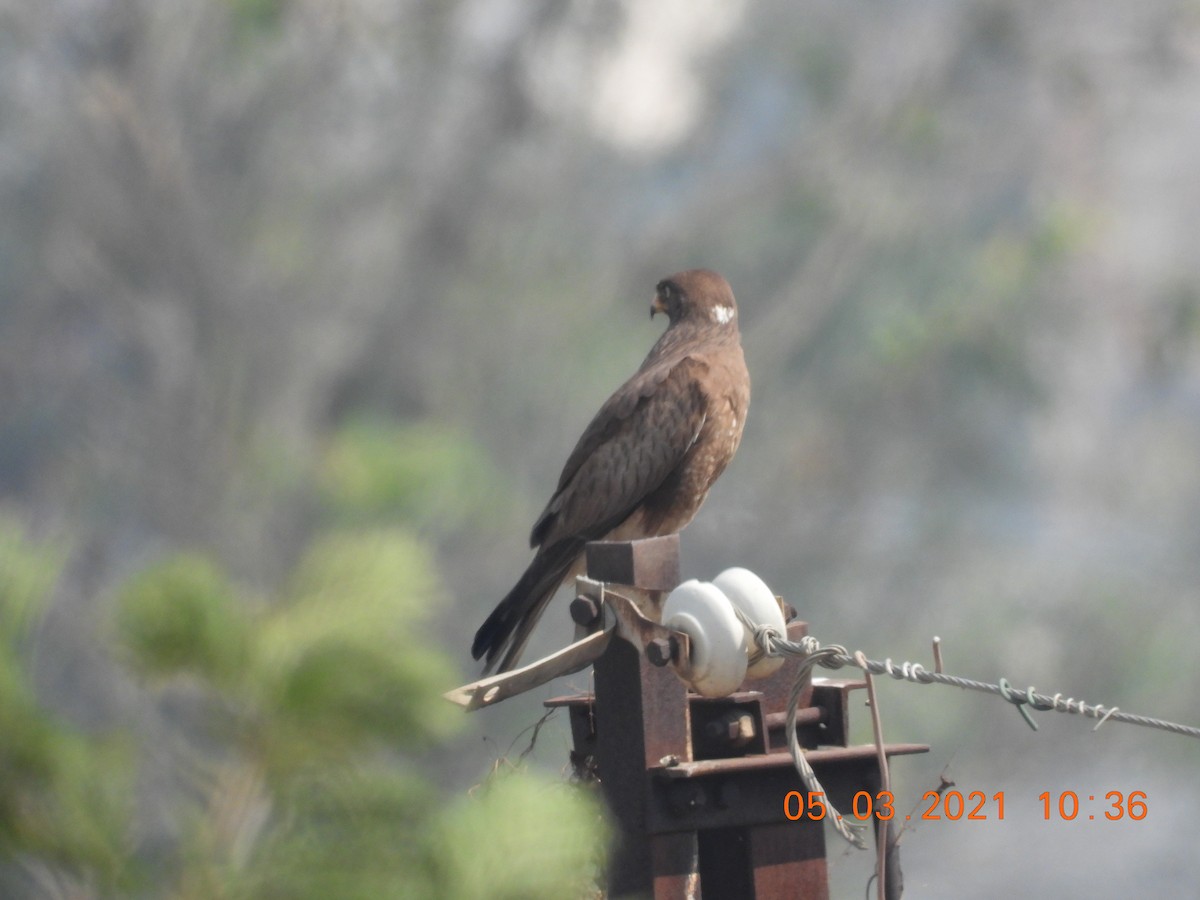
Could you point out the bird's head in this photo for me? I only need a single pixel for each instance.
(697, 295)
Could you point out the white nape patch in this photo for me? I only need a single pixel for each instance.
(722, 314)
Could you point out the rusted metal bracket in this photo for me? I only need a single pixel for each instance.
(570, 659)
(651, 568)
(696, 785)
(614, 613)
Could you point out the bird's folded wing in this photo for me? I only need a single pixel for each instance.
(639, 437)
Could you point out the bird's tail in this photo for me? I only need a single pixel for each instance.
(506, 631)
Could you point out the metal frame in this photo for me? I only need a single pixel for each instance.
(696, 786)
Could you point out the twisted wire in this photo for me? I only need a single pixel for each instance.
(808, 777)
(770, 642)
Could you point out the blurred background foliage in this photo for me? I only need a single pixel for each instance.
(302, 304)
(276, 751)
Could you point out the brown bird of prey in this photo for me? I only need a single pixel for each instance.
(646, 461)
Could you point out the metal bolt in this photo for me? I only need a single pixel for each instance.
(661, 650)
(742, 729)
(584, 610)
(738, 729)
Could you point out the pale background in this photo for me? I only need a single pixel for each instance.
(963, 240)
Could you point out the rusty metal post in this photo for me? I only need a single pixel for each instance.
(640, 716)
(697, 785)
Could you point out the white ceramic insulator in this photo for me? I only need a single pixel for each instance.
(750, 594)
(718, 655)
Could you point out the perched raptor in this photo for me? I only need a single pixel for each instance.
(646, 461)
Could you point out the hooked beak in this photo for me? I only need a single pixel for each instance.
(657, 305)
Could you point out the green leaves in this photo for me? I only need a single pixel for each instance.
(62, 793)
(28, 570)
(520, 838)
(340, 655)
(182, 615)
(314, 696)
(293, 746)
(333, 664)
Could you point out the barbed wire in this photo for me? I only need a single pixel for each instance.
(768, 641)
(771, 643)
